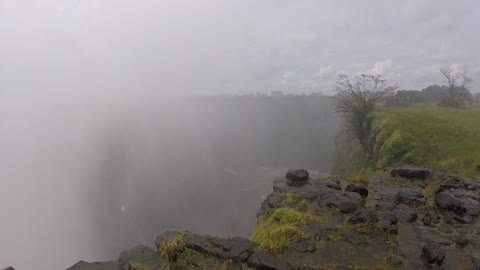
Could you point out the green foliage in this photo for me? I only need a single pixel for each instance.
(336, 237)
(274, 233)
(348, 155)
(396, 148)
(172, 249)
(185, 257)
(435, 137)
(289, 198)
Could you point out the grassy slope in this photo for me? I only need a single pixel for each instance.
(431, 136)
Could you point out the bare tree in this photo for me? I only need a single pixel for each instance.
(356, 101)
(458, 87)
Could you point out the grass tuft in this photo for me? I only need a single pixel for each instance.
(274, 233)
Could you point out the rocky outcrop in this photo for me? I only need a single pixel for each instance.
(411, 173)
(419, 219)
(297, 176)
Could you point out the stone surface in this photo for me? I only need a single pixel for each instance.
(346, 202)
(358, 188)
(406, 214)
(265, 261)
(410, 172)
(297, 176)
(411, 196)
(433, 254)
(363, 216)
(82, 265)
(142, 255)
(237, 248)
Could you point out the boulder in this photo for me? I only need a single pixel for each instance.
(264, 261)
(346, 202)
(411, 196)
(364, 216)
(433, 253)
(353, 237)
(331, 183)
(272, 201)
(9, 268)
(431, 217)
(82, 265)
(237, 248)
(410, 172)
(141, 256)
(306, 191)
(445, 200)
(406, 214)
(358, 188)
(298, 176)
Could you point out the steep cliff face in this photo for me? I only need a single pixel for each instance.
(406, 218)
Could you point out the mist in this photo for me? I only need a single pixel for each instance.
(122, 119)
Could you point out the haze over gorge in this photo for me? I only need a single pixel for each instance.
(90, 182)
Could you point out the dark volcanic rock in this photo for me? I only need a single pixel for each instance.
(297, 176)
(81, 265)
(358, 188)
(447, 201)
(385, 205)
(406, 214)
(303, 245)
(143, 255)
(9, 268)
(330, 182)
(353, 237)
(411, 172)
(237, 248)
(320, 231)
(265, 261)
(363, 216)
(431, 217)
(272, 201)
(461, 241)
(433, 253)
(346, 202)
(411, 196)
(394, 262)
(307, 191)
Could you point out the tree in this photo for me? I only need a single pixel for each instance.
(356, 101)
(458, 88)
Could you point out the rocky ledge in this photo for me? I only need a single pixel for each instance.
(406, 218)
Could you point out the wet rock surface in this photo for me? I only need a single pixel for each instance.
(237, 248)
(410, 172)
(420, 219)
(297, 176)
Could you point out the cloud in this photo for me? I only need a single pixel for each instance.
(382, 67)
(213, 47)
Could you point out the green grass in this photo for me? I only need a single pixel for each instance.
(434, 137)
(275, 232)
(172, 249)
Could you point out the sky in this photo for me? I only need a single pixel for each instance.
(229, 47)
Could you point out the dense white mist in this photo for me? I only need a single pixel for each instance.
(93, 115)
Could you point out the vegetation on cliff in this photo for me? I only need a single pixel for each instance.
(431, 136)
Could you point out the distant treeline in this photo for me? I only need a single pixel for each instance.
(433, 94)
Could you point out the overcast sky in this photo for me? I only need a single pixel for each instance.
(105, 47)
